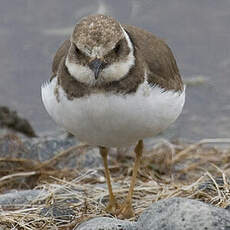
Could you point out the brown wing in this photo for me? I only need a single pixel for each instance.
(61, 52)
(158, 58)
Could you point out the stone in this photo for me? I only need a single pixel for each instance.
(15, 198)
(46, 147)
(106, 223)
(183, 214)
(60, 212)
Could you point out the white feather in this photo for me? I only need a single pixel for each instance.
(114, 120)
(79, 72)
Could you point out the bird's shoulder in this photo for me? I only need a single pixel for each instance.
(59, 55)
(158, 58)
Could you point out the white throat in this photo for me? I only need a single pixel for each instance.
(113, 72)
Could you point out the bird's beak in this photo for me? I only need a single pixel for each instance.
(96, 66)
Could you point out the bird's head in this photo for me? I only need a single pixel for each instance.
(100, 51)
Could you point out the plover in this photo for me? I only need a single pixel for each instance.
(112, 86)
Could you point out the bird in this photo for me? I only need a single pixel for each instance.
(113, 85)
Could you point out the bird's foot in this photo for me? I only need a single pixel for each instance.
(112, 207)
(126, 210)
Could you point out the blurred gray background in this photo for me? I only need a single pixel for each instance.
(197, 32)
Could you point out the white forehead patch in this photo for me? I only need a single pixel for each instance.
(97, 51)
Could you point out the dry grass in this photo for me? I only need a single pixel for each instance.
(198, 171)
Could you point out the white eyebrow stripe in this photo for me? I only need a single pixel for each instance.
(130, 44)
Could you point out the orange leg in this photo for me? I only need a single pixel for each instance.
(112, 205)
(126, 210)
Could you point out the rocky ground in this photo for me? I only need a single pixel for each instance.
(46, 183)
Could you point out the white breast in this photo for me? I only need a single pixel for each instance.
(114, 120)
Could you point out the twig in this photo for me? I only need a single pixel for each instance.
(186, 151)
(22, 174)
(63, 154)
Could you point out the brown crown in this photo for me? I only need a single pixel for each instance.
(97, 30)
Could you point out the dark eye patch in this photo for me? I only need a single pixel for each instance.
(121, 49)
(79, 56)
(117, 48)
(77, 50)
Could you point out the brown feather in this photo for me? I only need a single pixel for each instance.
(158, 57)
(151, 54)
(61, 52)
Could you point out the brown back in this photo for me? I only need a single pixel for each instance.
(163, 70)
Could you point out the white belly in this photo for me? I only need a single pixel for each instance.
(111, 120)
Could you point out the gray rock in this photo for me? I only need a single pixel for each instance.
(208, 186)
(182, 213)
(105, 223)
(91, 159)
(59, 212)
(20, 197)
(46, 147)
(169, 214)
(39, 148)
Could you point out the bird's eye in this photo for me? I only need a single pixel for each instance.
(117, 48)
(77, 50)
